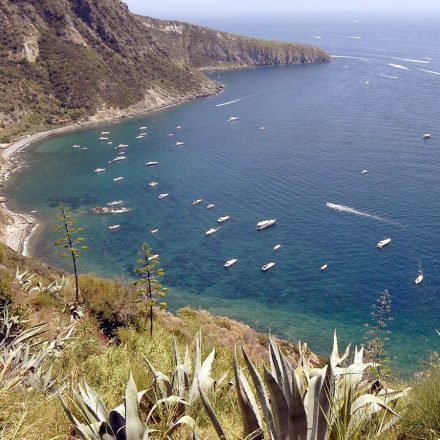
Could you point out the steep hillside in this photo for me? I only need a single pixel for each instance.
(64, 60)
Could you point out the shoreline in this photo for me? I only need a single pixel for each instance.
(18, 228)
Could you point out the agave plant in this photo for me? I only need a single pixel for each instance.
(125, 422)
(304, 404)
(184, 381)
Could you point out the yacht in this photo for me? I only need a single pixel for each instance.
(143, 128)
(229, 263)
(171, 134)
(163, 195)
(103, 133)
(383, 243)
(122, 145)
(262, 128)
(212, 231)
(115, 203)
(150, 164)
(103, 138)
(114, 227)
(109, 143)
(419, 279)
(99, 170)
(267, 266)
(76, 146)
(153, 231)
(153, 184)
(179, 143)
(223, 219)
(196, 202)
(119, 210)
(118, 158)
(211, 205)
(153, 257)
(364, 171)
(117, 179)
(84, 148)
(324, 267)
(140, 136)
(276, 247)
(265, 224)
(179, 127)
(232, 119)
(426, 136)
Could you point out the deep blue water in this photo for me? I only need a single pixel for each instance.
(325, 123)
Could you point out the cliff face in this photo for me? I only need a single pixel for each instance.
(65, 60)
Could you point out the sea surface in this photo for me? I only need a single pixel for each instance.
(368, 109)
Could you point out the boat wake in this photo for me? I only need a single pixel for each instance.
(353, 37)
(398, 66)
(232, 102)
(433, 72)
(387, 76)
(409, 60)
(353, 211)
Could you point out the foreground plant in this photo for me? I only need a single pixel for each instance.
(306, 403)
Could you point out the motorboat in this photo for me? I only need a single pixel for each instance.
(143, 128)
(153, 257)
(179, 127)
(419, 279)
(179, 143)
(212, 231)
(118, 158)
(171, 134)
(276, 247)
(196, 202)
(324, 267)
(122, 145)
(109, 143)
(426, 136)
(150, 164)
(233, 119)
(364, 171)
(76, 146)
(163, 195)
(115, 203)
(99, 170)
(119, 210)
(140, 136)
(262, 128)
(383, 243)
(154, 231)
(153, 184)
(267, 266)
(103, 138)
(117, 179)
(265, 224)
(210, 206)
(84, 148)
(103, 133)
(229, 263)
(223, 219)
(114, 227)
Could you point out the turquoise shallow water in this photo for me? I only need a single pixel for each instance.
(325, 123)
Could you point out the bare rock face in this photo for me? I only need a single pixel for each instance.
(60, 60)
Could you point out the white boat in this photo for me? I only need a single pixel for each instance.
(383, 243)
(276, 247)
(233, 118)
(179, 127)
(426, 136)
(150, 164)
(364, 171)
(267, 266)
(171, 134)
(196, 202)
(163, 195)
(118, 158)
(109, 143)
(103, 138)
(143, 128)
(262, 128)
(153, 231)
(265, 224)
(153, 257)
(210, 206)
(117, 179)
(115, 203)
(84, 148)
(229, 263)
(153, 184)
(103, 133)
(76, 146)
(99, 170)
(139, 136)
(179, 143)
(122, 145)
(114, 227)
(119, 210)
(223, 219)
(212, 231)
(419, 279)
(324, 267)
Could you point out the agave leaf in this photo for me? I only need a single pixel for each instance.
(261, 393)
(280, 409)
(311, 402)
(161, 379)
(297, 422)
(249, 411)
(183, 421)
(275, 362)
(287, 375)
(187, 361)
(177, 360)
(99, 406)
(367, 399)
(105, 432)
(198, 352)
(326, 397)
(203, 377)
(170, 400)
(134, 427)
(212, 416)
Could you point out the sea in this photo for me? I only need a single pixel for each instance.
(323, 125)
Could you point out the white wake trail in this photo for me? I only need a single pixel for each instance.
(353, 211)
(232, 102)
(433, 72)
(398, 66)
(387, 76)
(410, 60)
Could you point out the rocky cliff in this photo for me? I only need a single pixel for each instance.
(64, 60)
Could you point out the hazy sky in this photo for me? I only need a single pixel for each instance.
(224, 8)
